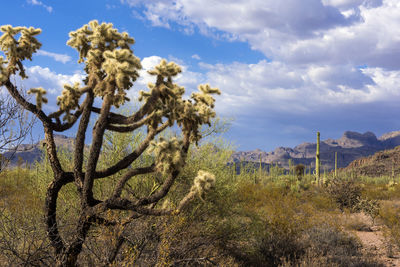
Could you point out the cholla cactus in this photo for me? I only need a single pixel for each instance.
(111, 69)
(3, 71)
(40, 99)
(18, 50)
(165, 69)
(168, 154)
(69, 99)
(203, 183)
(97, 38)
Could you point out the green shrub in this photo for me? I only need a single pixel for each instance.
(346, 192)
(390, 215)
(369, 206)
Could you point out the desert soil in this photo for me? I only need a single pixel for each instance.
(375, 245)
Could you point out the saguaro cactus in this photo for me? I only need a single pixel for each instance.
(111, 69)
(260, 168)
(335, 164)
(317, 161)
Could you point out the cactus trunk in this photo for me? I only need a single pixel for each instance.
(317, 163)
(260, 167)
(335, 164)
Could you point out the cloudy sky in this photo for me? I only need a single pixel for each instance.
(286, 68)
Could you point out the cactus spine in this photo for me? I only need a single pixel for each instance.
(317, 158)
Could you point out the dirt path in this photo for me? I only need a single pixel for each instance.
(374, 245)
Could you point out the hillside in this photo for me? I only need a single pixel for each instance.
(350, 146)
(379, 164)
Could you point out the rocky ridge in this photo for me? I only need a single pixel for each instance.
(29, 153)
(351, 146)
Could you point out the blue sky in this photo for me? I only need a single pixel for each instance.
(286, 68)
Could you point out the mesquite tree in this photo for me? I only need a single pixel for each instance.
(111, 69)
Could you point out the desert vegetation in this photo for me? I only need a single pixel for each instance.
(154, 187)
(250, 218)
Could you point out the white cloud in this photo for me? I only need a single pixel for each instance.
(63, 58)
(39, 3)
(270, 87)
(349, 4)
(195, 56)
(110, 7)
(263, 88)
(51, 81)
(323, 52)
(358, 32)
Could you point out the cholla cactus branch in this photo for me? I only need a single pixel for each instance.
(3, 71)
(40, 99)
(127, 160)
(203, 183)
(168, 154)
(17, 51)
(165, 69)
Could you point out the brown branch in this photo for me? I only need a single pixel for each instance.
(51, 151)
(80, 140)
(131, 173)
(27, 105)
(138, 115)
(129, 128)
(164, 189)
(51, 211)
(126, 161)
(116, 202)
(95, 148)
(102, 221)
(58, 127)
(112, 117)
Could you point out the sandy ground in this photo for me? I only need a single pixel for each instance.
(374, 244)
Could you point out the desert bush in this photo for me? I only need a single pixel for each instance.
(327, 245)
(370, 207)
(299, 171)
(376, 191)
(346, 192)
(272, 223)
(328, 240)
(23, 241)
(390, 215)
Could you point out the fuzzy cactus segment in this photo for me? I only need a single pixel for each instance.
(98, 37)
(40, 99)
(18, 50)
(168, 155)
(107, 53)
(165, 69)
(203, 183)
(3, 71)
(69, 100)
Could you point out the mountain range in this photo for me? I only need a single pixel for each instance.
(351, 146)
(29, 153)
